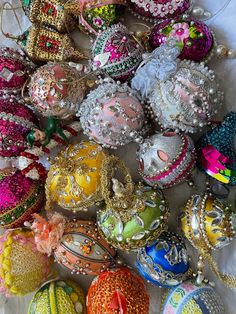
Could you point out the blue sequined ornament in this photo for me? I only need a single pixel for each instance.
(216, 155)
(165, 262)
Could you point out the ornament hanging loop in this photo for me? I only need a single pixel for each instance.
(13, 9)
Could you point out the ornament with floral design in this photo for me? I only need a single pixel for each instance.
(194, 38)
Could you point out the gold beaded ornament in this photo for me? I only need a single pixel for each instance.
(74, 179)
(49, 13)
(209, 225)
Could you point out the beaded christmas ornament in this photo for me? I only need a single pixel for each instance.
(209, 225)
(165, 262)
(181, 94)
(194, 38)
(96, 15)
(58, 297)
(14, 70)
(56, 89)
(216, 151)
(190, 297)
(156, 10)
(23, 269)
(118, 291)
(113, 115)
(16, 121)
(116, 53)
(76, 244)
(50, 13)
(74, 179)
(166, 159)
(134, 215)
(43, 44)
(20, 198)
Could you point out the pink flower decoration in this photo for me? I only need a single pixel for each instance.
(169, 309)
(180, 31)
(187, 287)
(48, 234)
(98, 21)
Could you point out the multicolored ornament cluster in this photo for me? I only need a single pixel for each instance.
(134, 91)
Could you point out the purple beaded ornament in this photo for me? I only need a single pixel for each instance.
(16, 121)
(154, 10)
(194, 37)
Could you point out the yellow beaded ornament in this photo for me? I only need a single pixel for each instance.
(22, 268)
(61, 297)
(209, 225)
(73, 181)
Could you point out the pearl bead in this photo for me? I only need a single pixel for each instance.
(231, 53)
(221, 51)
(198, 11)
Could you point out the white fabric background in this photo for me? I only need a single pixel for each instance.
(224, 25)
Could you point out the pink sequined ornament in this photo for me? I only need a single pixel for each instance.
(154, 10)
(20, 198)
(112, 115)
(166, 159)
(194, 37)
(14, 71)
(56, 89)
(116, 53)
(16, 121)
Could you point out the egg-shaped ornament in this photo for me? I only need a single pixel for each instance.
(156, 10)
(14, 71)
(209, 224)
(134, 215)
(113, 115)
(97, 15)
(118, 291)
(23, 269)
(60, 296)
(116, 53)
(74, 179)
(194, 38)
(76, 244)
(166, 159)
(165, 262)
(50, 13)
(183, 95)
(190, 297)
(56, 89)
(16, 121)
(20, 198)
(215, 149)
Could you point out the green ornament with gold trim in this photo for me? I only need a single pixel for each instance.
(61, 297)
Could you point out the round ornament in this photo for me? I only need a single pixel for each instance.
(14, 70)
(166, 159)
(56, 89)
(133, 216)
(74, 179)
(183, 95)
(112, 115)
(23, 269)
(216, 151)
(194, 37)
(192, 298)
(118, 291)
(97, 15)
(58, 297)
(155, 10)
(20, 198)
(116, 53)
(208, 223)
(50, 13)
(16, 121)
(165, 262)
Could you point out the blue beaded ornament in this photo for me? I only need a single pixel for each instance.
(164, 263)
(215, 149)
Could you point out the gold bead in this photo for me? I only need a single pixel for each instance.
(221, 51)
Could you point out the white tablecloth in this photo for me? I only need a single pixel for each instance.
(224, 25)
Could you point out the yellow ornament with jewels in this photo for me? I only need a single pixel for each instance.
(74, 179)
(209, 224)
(61, 297)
